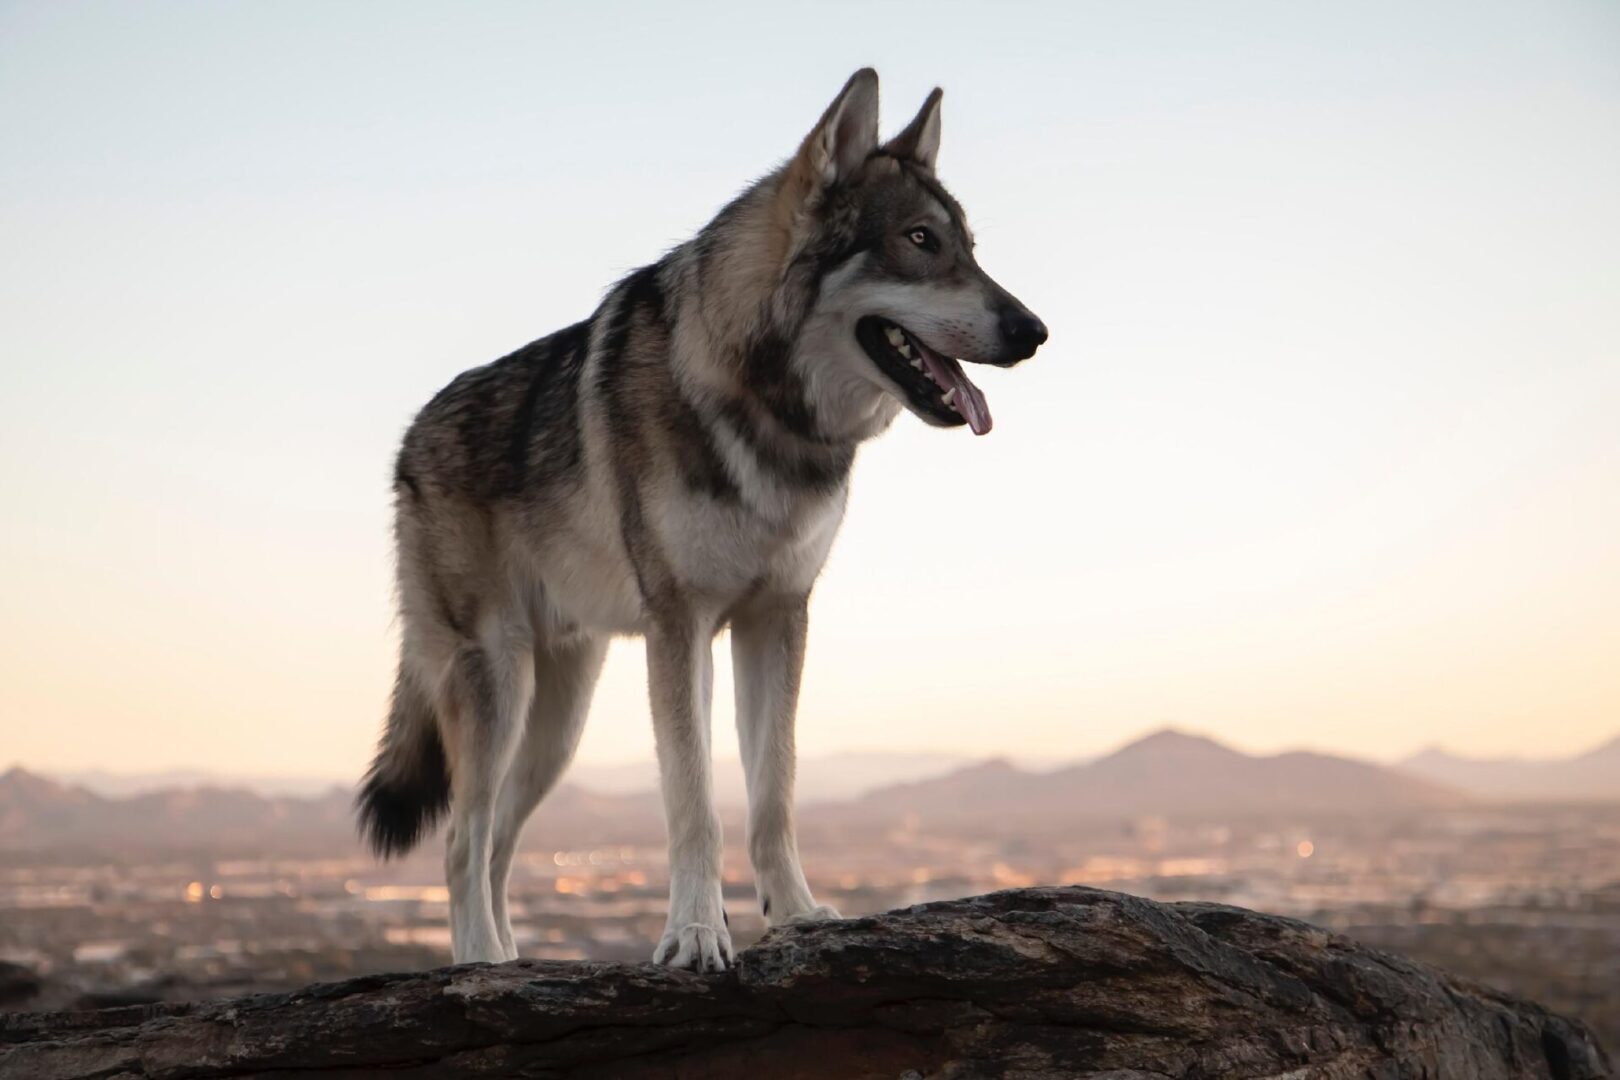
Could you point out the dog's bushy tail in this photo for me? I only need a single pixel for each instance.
(407, 789)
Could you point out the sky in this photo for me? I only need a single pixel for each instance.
(1324, 450)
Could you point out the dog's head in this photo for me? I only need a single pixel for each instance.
(900, 300)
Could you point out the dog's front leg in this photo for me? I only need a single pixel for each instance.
(767, 652)
(680, 675)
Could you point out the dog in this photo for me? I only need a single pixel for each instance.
(675, 465)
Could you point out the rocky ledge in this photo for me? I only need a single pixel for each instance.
(1059, 982)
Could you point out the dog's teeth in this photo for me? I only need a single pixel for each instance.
(917, 363)
(949, 394)
(903, 349)
(896, 338)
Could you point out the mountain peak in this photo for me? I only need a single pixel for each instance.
(996, 766)
(982, 784)
(1603, 752)
(18, 778)
(1592, 775)
(1434, 752)
(18, 785)
(1168, 741)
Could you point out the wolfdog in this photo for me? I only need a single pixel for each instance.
(676, 464)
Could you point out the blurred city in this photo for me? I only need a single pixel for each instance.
(204, 892)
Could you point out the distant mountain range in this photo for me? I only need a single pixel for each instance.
(1592, 775)
(1167, 774)
(828, 778)
(118, 785)
(38, 813)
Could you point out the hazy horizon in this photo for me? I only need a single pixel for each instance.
(1322, 452)
(590, 773)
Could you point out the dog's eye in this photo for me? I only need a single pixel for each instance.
(923, 238)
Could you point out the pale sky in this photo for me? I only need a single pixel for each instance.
(1324, 450)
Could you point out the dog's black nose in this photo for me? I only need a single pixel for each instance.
(1023, 332)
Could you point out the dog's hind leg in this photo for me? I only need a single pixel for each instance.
(767, 649)
(564, 677)
(484, 695)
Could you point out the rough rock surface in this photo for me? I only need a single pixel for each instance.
(1060, 982)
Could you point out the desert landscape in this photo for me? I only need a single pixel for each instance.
(1503, 872)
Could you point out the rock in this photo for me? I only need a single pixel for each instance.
(18, 984)
(1031, 983)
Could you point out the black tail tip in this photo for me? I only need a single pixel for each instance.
(395, 815)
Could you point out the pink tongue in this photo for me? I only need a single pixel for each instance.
(969, 399)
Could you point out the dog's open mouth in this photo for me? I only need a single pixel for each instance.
(935, 385)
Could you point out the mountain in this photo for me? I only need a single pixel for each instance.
(1594, 774)
(118, 785)
(29, 802)
(1168, 773)
(828, 778)
(993, 783)
(37, 812)
(197, 812)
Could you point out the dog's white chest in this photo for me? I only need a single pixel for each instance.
(724, 550)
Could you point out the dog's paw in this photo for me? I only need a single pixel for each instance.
(695, 947)
(819, 913)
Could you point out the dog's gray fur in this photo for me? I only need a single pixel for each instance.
(675, 464)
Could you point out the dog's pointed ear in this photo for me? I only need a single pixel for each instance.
(919, 142)
(845, 136)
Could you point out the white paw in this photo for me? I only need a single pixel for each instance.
(819, 913)
(487, 952)
(695, 947)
